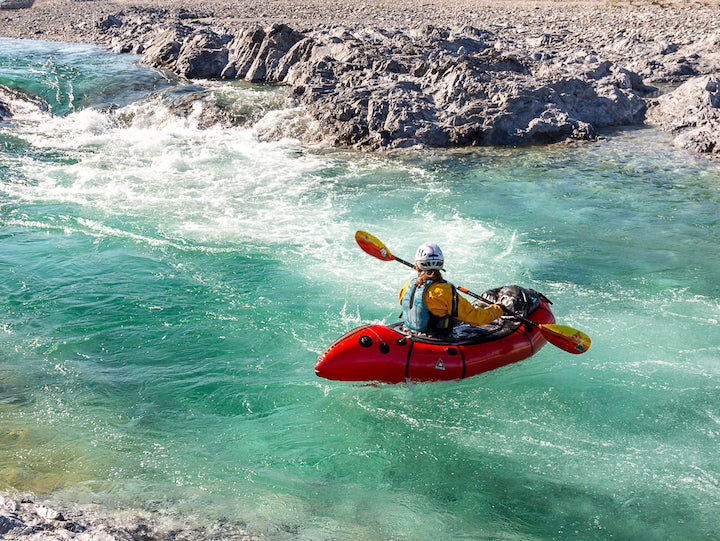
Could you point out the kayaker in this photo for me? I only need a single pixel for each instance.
(431, 305)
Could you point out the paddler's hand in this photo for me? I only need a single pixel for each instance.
(496, 309)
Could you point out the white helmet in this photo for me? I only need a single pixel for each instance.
(429, 256)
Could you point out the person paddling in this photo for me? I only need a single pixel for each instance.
(431, 306)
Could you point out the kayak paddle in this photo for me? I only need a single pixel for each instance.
(562, 336)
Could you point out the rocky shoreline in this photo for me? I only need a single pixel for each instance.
(29, 518)
(505, 75)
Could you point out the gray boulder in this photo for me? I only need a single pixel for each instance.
(165, 47)
(257, 54)
(202, 55)
(691, 113)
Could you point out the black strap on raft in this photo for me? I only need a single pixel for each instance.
(455, 301)
(407, 360)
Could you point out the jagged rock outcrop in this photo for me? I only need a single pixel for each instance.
(164, 50)
(692, 113)
(373, 88)
(261, 55)
(549, 75)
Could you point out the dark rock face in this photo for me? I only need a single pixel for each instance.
(202, 55)
(5, 113)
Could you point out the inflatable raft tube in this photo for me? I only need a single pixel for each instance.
(391, 354)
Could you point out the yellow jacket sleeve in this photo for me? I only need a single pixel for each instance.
(439, 298)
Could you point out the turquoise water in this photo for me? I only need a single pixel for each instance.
(165, 292)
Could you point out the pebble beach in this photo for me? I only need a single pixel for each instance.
(69, 20)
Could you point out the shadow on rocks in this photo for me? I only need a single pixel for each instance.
(16, 4)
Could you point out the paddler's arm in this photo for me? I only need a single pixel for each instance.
(438, 299)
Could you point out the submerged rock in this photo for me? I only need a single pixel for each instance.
(5, 113)
(692, 113)
(12, 99)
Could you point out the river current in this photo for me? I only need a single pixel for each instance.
(167, 284)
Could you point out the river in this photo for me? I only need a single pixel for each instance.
(166, 286)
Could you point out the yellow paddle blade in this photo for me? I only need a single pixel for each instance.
(566, 338)
(373, 246)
